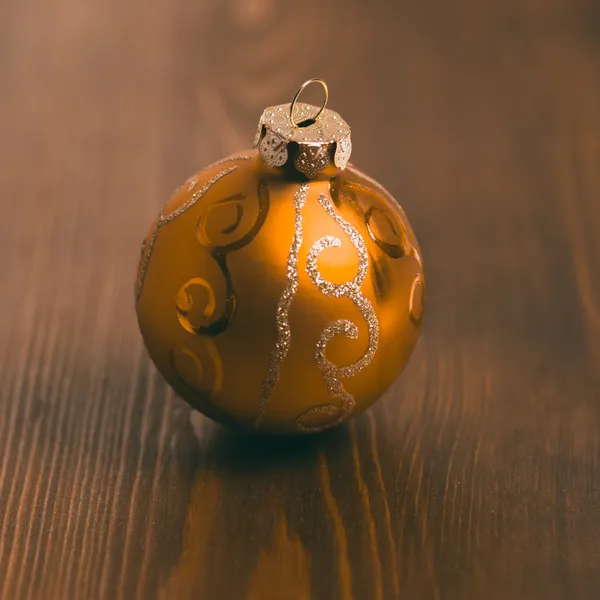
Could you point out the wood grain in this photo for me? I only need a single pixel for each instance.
(476, 476)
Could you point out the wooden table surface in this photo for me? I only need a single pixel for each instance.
(477, 476)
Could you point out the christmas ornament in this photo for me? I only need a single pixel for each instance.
(282, 289)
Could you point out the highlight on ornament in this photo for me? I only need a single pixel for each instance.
(281, 290)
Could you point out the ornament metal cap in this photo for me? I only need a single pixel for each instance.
(319, 134)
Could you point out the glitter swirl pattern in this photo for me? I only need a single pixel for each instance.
(164, 219)
(284, 334)
(351, 289)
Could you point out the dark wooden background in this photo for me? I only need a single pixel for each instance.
(476, 477)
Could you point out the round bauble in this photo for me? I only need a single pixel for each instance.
(281, 289)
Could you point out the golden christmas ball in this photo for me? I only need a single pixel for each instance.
(282, 289)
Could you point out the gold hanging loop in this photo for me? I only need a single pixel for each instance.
(300, 90)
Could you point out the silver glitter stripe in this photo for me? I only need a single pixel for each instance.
(337, 289)
(284, 335)
(192, 182)
(229, 159)
(146, 258)
(196, 196)
(350, 289)
(162, 220)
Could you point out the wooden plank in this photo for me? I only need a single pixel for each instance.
(477, 476)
